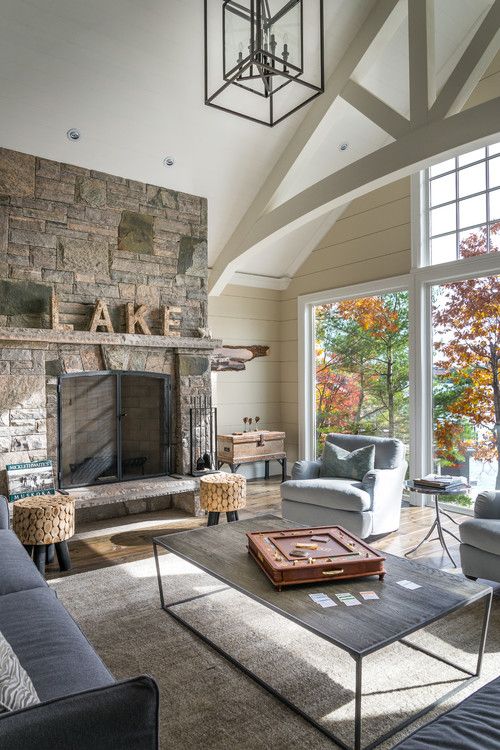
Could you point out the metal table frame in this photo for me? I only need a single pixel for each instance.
(436, 525)
(358, 657)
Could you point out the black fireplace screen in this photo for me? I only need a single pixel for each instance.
(113, 426)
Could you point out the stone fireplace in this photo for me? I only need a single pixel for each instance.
(73, 240)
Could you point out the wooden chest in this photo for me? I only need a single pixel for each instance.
(259, 445)
(324, 553)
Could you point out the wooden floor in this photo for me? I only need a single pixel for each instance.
(120, 540)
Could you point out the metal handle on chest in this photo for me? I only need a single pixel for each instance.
(333, 572)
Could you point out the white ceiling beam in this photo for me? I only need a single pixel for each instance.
(418, 62)
(471, 66)
(225, 264)
(412, 152)
(375, 109)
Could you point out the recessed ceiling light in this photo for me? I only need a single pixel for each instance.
(73, 134)
(168, 161)
(343, 146)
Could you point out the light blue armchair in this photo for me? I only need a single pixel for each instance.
(480, 547)
(368, 507)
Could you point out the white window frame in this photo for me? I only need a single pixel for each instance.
(424, 277)
(307, 340)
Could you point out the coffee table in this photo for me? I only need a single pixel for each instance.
(221, 551)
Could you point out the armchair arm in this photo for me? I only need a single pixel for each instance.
(123, 715)
(487, 504)
(385, 484)
(306, 469)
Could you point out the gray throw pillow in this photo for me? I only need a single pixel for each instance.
(16, 689)
(337, 462)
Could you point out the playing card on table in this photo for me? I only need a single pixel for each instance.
(323, 600)
(369, 595)
(348, 599)
(409, 585)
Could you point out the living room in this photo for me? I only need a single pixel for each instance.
(249, 384)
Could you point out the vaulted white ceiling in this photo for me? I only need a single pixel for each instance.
(129, 75)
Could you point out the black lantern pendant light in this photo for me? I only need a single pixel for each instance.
(264, 59)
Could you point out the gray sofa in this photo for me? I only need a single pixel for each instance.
(480, 537)
(472, 725)
(82, 706)
(366, 508)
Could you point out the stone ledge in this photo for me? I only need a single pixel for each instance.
(136, 489)
(47, 335)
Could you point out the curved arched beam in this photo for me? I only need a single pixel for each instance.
(416, 150)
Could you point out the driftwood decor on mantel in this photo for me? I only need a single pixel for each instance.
(235, 358)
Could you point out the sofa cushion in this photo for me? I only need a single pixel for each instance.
(339, 463)
(389, 452)
(342, 494)
(481, 533)
(473, 725)
(50, 646)
(16, 688)
(17, 570)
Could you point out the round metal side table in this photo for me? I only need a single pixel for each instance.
(437, 525)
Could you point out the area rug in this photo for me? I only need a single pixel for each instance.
(207, 703)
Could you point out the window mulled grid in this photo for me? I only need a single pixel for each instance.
(463, 198)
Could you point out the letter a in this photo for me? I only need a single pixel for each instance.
(100, 317)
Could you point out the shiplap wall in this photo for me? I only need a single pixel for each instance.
(244, 316)
(370, 241)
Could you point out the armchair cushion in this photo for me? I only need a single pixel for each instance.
(389, 452)
(481, 533)
(341, 494)
(338, 462)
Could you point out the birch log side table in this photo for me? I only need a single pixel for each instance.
(223, 493)
(43, 521)
(250, 447)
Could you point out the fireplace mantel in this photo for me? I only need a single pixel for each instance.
(48, 335)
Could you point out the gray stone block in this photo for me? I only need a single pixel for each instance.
(135, 233)
(18, 298)
(190, 365)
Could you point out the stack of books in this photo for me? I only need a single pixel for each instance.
(441, 482)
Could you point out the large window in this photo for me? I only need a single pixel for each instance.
(464, 202)
(361, 367)
(440, 393)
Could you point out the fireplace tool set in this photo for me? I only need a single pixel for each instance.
(203, 434)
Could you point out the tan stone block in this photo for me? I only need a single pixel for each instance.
(55, 190)
(90, 191)
(4, 230)
(17, 173)
(78, 254)
(147, 295)
(26, 391)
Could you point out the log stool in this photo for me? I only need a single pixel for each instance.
(43, 523)
(223, 493)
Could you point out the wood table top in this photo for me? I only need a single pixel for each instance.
(222, 552)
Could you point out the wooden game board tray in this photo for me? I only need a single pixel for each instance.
(339, 556)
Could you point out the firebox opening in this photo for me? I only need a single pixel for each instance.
(113, 426)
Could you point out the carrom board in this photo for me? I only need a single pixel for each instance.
(323, 553)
